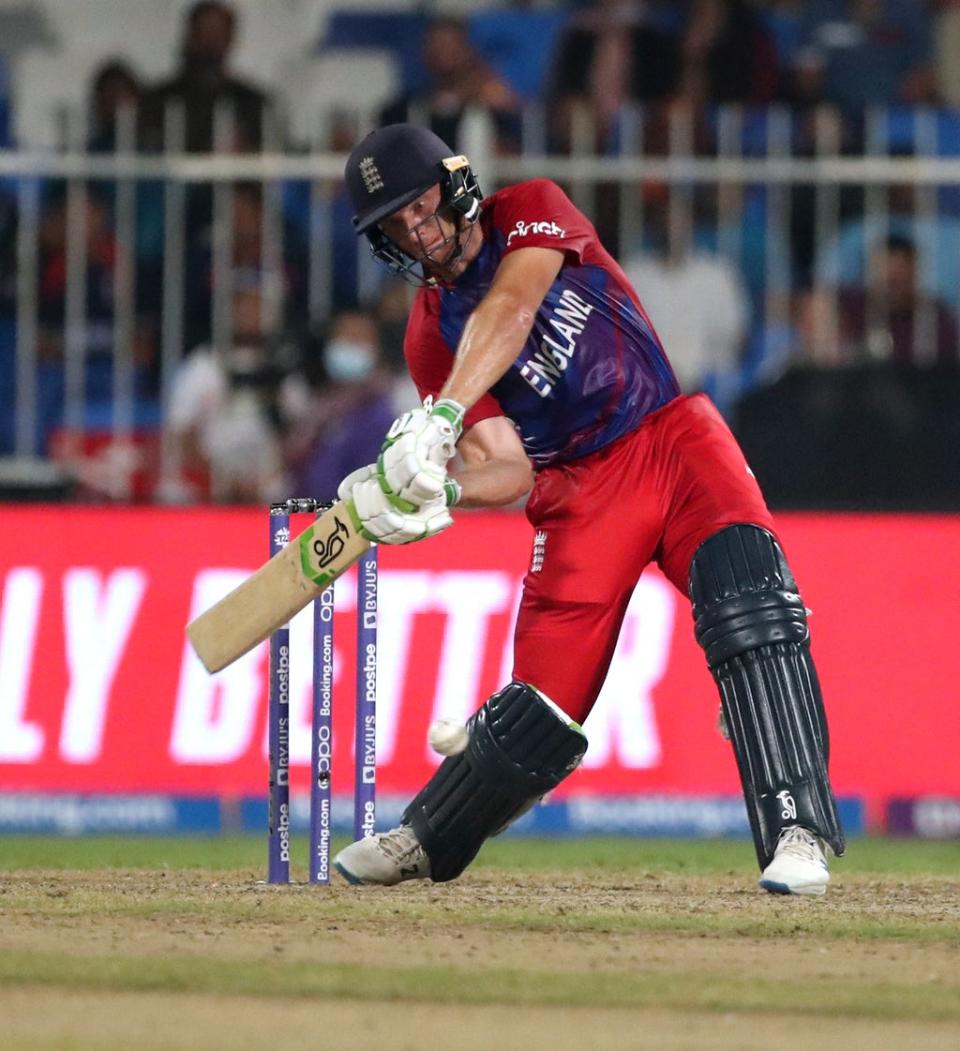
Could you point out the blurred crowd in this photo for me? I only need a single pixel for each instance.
(851, 349)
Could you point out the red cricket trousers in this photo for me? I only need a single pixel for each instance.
(654, 495)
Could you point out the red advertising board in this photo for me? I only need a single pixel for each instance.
(100, 692)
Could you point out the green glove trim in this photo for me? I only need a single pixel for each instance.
(453, 491)
(452, 411)
(398, 502)
(357, 524)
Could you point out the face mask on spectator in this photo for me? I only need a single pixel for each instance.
(348, 362)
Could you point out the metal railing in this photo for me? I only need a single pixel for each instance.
(750, 171)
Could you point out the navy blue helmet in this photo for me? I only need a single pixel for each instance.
(392, 167)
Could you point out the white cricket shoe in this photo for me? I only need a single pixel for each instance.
(799, 864)
(384, 859)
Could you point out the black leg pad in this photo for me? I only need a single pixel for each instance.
(520, 746)
(752, 625)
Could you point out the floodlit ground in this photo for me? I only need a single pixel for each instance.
(109, 944)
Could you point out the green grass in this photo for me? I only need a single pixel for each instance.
(874, 856)
(599, 924)
(477, 985)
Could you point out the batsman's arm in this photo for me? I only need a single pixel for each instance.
(496, 470)
(412, 467)
(496, 331)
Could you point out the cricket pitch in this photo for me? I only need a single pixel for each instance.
(611, 945)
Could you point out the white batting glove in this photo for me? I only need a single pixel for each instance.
(361, 474)
(452, 489)
(412, 467)
(381, 521)
(384, 523)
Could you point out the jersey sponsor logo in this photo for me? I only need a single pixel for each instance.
(559, 343)
(523, 229)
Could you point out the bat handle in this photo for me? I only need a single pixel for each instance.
(300, 505)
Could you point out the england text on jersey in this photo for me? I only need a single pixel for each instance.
(592, 367)
(567, 320)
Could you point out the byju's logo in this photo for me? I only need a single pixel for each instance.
(523, 229)
(788, 806)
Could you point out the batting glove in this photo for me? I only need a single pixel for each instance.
(412, 467)
(381, 521)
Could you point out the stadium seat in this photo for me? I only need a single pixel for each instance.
(519, 44)
(8, 386)
(398, 31)
(948, 132)
(784, 27)
(900, 130)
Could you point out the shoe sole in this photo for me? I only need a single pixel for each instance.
(348, 875)
(773, 887)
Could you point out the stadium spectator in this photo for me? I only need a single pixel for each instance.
(611, 53)
(230, 406)
(727, 53)
(946, 35)
(821, 130)
(393, 306)
(891, 320)
(936, 235)
(52, 258)
(115, 87)
(204, 82)
(457, 78)
(249, 255)
(861, 53)
(91, 338)
(695, 299)
(351, 405)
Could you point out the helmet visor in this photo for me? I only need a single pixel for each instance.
(389, 207)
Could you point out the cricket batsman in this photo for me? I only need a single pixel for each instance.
(537, 362)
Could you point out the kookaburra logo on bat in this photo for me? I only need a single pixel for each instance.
(328, 548)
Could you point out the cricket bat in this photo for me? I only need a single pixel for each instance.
(295, 576)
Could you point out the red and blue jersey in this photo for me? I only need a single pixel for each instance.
(592, 367)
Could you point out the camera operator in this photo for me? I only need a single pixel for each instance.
(231, 406)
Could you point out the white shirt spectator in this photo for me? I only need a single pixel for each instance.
(230, 429)
(700, 310)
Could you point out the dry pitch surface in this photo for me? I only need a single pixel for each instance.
(150, 945)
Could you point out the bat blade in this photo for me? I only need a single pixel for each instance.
(295, 576)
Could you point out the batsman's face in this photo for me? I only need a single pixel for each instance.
(429, 234)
